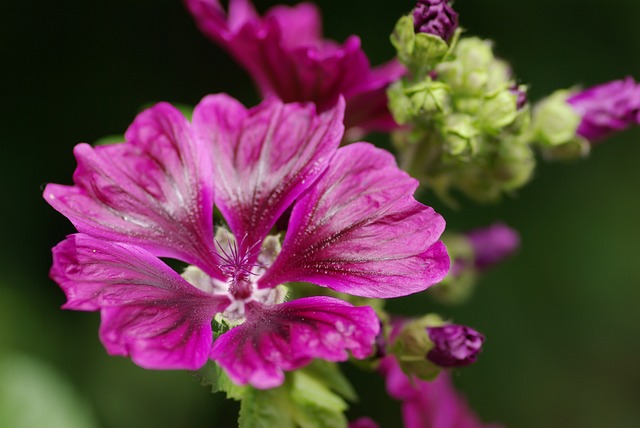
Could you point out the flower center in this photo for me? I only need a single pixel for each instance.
(238, 265)
(242, 265)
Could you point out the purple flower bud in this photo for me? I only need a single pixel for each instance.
(435, 17)
(454, 345)
(521, 95)
(607, 108)
(493, 244)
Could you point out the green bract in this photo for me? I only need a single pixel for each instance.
(418, 52)
(412, 344)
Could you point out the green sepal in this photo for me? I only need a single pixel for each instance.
(421, 100)
(212, 375)
(330, 374)
(418, 52)
(460, 135)
(474, 71)
(554, 128)
(554, 121)
(267, 408)
(400, 104)
(498, 110)
(412, 345)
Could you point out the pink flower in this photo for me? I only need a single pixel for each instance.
(285, 54)
(434, 404)
(607, 108)
(354, 227)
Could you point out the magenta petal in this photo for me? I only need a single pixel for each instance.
(434, 404)
(149, 312)
(154, 191)
(359, 230)
(397, 383)
(368, 109)
(288, 336)
(606, 108)
(264, 157)
(299, 25)
(285, 54)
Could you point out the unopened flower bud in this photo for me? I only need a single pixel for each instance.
(410, 343)
(435, 17)
(454, 345)
(492, 244)
(498, 110)
(460, 135)
(475, 71)
(606, 108)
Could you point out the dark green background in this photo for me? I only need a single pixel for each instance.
(561, 318)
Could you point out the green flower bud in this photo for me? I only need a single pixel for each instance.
(460, 135)
(499, 74)
(498, 110)
(514, 165)
(475, 71)
(423, 99)
(430, 97)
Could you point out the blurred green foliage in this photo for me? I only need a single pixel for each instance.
(560, 318)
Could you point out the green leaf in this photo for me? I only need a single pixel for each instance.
(315, 405)
(305, 400)
(212, 375)
(330, 374)
(270, 408)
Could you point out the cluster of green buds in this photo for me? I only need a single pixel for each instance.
(468, 118)
(468, 124)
